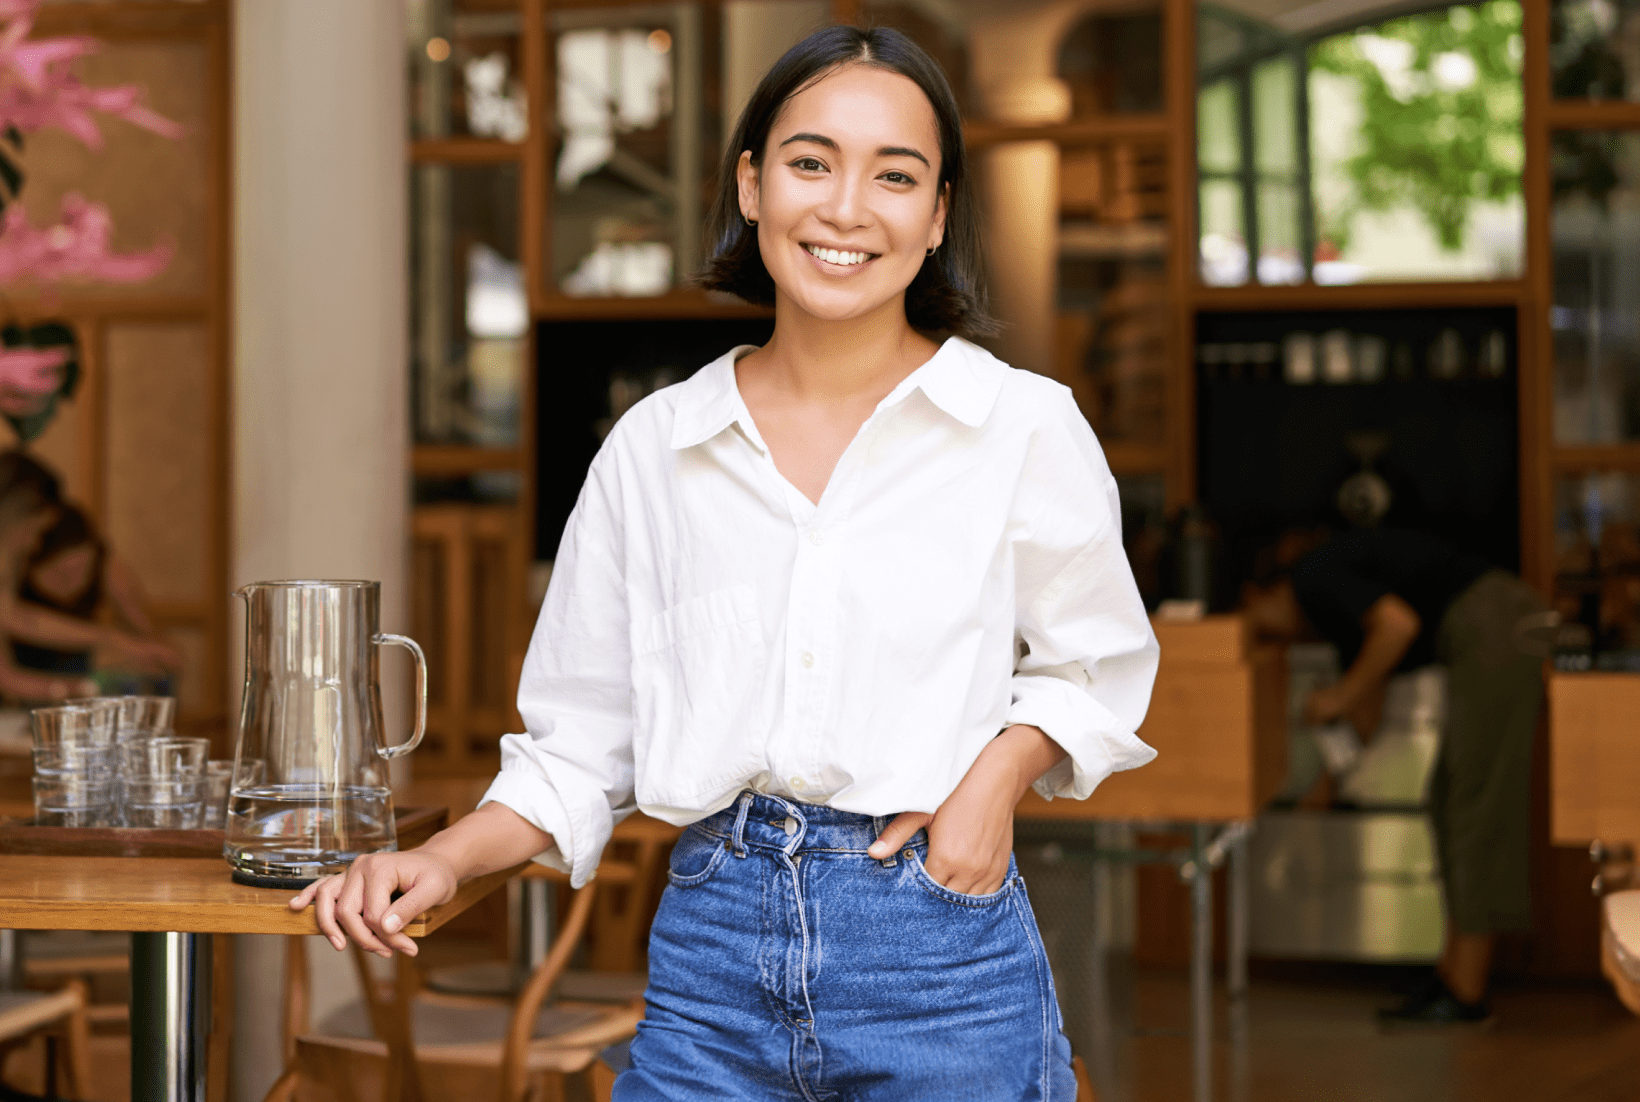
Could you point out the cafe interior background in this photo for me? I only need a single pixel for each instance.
(407, 262)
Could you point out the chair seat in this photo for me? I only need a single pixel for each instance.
(22, 1012)
(603, 987)
(434, 1023)
(568, 1038)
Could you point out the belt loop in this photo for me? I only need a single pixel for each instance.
(738, 838)
(877, 825)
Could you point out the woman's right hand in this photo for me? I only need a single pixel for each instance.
(359, 903)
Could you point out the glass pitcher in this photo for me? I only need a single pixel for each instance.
(311, 715)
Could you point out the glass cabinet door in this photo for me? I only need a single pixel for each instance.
(1390, 149)
(468, 307)
(1596, 283)
(466, 78)
(1594, 49)
(633, 147)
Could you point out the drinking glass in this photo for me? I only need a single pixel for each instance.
(164, 782)
(74, 764)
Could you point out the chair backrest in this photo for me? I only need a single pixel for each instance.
(389, 1003)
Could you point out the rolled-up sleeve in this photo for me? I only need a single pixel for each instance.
(571, 773)
(1088, 654)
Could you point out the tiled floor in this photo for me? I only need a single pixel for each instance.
(1313, 1039)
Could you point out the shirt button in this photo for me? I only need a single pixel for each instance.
(808, 659)
(797, 784)
(817, 537)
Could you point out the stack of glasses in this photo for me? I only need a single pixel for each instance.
(140, 717)
(74, 762)
(162, 779)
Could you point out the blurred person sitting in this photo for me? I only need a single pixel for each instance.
(73, 572)
(1392, 601)
(31, 506)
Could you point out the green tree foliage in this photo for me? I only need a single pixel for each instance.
(1441, 99)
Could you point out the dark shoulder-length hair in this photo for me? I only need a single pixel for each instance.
(948, 293)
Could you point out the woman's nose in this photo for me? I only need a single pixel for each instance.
(844, 206)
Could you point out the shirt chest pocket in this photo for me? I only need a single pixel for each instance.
(696, 671)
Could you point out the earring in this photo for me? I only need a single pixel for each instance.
(750, 221)
(930, 252)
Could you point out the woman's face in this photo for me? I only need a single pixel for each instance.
(847, 201)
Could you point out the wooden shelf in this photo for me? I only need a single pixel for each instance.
(465, 151)
(1597, 457)
(1126, 457)
(449, 460)
(1361, 296)
(677, 304)
(1137, 126)
(1577, 114)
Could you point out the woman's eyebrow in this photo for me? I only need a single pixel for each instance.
(885, 151)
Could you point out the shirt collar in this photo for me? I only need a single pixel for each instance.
(961, 379)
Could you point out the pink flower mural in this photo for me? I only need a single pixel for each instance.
(39, 90)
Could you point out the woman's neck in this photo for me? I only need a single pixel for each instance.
(817, 359)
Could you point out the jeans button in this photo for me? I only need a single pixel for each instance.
(790, 826)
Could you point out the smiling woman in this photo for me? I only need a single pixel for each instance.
(787, 613)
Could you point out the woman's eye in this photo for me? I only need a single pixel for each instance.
(807, 164)
(898, 178)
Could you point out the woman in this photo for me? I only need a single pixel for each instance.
(73, 572)
(31, 508)
(836, 602)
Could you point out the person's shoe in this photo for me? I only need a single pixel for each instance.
(1433, 1005)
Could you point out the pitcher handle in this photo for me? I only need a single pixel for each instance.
(409, 644)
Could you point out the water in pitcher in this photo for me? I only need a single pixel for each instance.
(298, 830)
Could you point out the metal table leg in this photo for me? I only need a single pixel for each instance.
(11, 963)
(1201, 969)
(1099, 1068)
(535, 915)
(1237, 963)
(170, 1016)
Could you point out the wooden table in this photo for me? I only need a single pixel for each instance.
(170, 904)
(1217, 720)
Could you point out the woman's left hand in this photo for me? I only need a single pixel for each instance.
(971, 836)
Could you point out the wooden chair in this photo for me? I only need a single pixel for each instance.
(398, 1044)
(62, 1013)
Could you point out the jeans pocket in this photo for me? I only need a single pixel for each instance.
(940, 891)
(695, 857)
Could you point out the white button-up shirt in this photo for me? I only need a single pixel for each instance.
(709, 629)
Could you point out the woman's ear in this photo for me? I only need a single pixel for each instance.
(936, 232)
(746, 183)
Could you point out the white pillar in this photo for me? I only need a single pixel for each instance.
(320, 386)
(1013, 49)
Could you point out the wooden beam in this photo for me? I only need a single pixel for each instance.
(465, 151)
(682, 302)
(1179, 127)
(1362, 296)
(1534, 379)
(1572, 114)
(456, 459)
(1594, 457)
(1139, 126)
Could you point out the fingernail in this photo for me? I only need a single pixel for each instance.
(877, 850)
(337, 944)
(393, 923)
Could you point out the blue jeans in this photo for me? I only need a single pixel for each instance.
(785, 964)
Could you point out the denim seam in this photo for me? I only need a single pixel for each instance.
(1038, 962)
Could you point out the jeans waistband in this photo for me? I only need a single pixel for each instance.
(762, 821)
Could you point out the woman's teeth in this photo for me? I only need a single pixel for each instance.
(838, 256)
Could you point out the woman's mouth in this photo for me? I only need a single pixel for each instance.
(842, 258)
